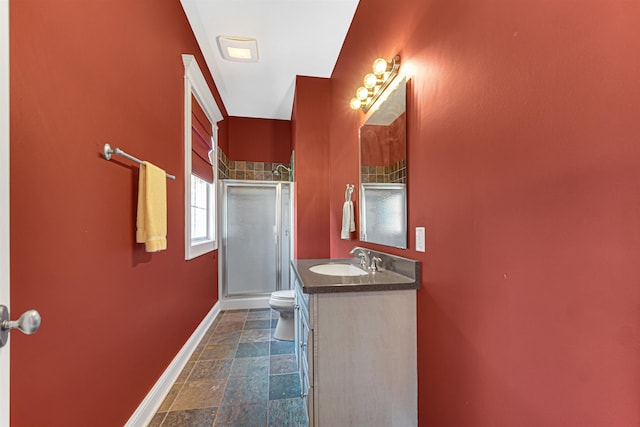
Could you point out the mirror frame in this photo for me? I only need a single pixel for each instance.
(391, 106)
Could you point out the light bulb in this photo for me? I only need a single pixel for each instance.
(355, 103)
(362, 93)
(379, 66)
(370, 80)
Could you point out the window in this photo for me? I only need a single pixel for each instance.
(201, 115)
(200, 200)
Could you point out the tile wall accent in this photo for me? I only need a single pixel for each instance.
(251, 171)
(395, 173)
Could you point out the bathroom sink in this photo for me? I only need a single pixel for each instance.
(333, 269)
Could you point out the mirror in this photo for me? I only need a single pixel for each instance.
(383, 172)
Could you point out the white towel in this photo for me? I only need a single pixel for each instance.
(348, 220)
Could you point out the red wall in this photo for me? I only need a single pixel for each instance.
(524, 167)
(223, 135)
(82, 74)
(310, 139)
(259, 140)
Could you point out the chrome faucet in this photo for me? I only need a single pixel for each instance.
(375, 266)
(364, 257)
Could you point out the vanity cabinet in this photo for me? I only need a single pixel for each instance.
(304, 349)
(357, 356)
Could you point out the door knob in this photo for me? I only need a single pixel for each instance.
(28, 323)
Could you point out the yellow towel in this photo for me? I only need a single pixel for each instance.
(151, 222)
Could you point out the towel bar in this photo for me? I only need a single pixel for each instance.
(107, 151)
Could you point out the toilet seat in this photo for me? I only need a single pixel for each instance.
(282, 300)
(286, 295)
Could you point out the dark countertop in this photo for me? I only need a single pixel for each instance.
(314, 283)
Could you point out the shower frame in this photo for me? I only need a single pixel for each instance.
(255, 299)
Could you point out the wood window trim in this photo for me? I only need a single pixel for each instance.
(195, 85)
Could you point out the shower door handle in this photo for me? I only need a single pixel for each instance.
(28, 323)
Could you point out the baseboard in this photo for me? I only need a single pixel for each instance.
(149, 406)
(244, 303)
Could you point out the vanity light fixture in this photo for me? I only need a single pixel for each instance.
(375, 83)
(239, 49)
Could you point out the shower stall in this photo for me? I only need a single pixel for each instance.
(256, 241)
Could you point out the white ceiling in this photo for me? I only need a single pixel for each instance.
(295, 37)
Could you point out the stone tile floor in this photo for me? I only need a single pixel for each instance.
(239, 375)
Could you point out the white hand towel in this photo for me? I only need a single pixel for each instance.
(352, 226)
(348, 221)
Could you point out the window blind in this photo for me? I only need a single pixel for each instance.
(201, 143)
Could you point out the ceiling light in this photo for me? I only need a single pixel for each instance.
(239, 49)
(239, 53)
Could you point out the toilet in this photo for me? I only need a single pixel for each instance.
(283, 302)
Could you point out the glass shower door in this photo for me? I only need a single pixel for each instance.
(250, 238)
